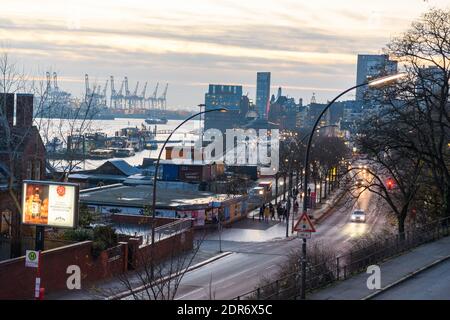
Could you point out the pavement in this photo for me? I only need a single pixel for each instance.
(417, 274)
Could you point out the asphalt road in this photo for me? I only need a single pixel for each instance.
(242, 271)
(431, 284)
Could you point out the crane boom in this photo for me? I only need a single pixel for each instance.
(136, 89)
(144, 90)
(55, 81)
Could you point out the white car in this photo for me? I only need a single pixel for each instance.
(358, 216)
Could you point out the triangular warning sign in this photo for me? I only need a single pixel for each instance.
(304, 224)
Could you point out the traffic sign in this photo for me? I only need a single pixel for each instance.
(304, 224)
(304, 235)
(32, 259)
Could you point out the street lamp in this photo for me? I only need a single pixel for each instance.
(157, 167)
(380, 82)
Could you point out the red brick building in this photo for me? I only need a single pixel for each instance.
(22, 156)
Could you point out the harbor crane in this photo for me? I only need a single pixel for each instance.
(162, 99)
(55, 82)
(142, 97)
(153, 100)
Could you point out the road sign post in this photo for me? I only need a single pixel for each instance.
(33, 260)
(304, 228)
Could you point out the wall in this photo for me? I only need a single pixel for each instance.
(17, 281)
(141, 256)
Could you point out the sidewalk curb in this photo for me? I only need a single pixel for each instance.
(123, 294)
(405, 278)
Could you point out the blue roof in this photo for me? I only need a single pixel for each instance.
(124, 167)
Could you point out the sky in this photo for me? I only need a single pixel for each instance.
(308, 46)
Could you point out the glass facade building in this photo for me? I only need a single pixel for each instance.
(262, 94)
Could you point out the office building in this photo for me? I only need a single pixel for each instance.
(223, 96)
(372, 66)
(262, 94)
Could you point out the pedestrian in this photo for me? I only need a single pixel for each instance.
(279, 211)
(261, 211)
(295, 207)
(266, 213)
(272, 211)
(285, 213)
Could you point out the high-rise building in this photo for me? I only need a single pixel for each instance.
(223, 96)
(262, 94)
(372, 65)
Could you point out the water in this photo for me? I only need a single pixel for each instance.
(50, 128)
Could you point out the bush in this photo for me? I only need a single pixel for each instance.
(105, 237)
(78, 235)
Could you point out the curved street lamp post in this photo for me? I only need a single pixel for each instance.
(155, 178)
(383, 81)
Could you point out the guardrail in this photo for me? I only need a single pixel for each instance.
(355, 261)
(168, 230)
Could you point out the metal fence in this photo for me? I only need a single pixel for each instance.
(355, 261)
(168, 230)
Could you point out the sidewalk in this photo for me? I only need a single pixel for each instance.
(393, 270)
(253, 229)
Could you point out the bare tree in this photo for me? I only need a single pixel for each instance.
(12, 81)
(159, 279)
(63, 119)
(419, 105)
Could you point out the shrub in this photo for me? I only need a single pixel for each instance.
(78, 235)
(104, 237)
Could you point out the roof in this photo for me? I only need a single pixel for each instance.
(93, 176)
(123, 167)
(141, 195)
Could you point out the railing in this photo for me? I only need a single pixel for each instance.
(168, 230)
(353, 262)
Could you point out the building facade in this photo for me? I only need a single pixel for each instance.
(262, 94)
(223, 96)
(370, 66)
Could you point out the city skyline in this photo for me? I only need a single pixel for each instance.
(227, 42)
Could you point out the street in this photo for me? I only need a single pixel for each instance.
(242, 271)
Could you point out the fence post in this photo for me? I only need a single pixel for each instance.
(258, 294)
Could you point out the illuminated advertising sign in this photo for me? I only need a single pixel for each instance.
(52, 204)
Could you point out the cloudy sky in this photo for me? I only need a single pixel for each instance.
(308, 45)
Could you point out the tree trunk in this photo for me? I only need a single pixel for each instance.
(401, 223)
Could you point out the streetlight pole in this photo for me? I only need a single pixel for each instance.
(155, 178)
(373, 83)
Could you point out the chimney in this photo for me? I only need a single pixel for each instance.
(9, 106)
(24, 110)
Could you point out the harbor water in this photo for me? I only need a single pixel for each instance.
(59, 128)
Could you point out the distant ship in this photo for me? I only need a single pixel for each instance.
(156, 120)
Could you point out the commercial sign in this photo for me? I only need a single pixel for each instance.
(50, 204)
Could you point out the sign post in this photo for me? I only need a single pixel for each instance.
(33, 260)
(304, 227)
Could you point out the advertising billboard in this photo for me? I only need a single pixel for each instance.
(52, 204)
